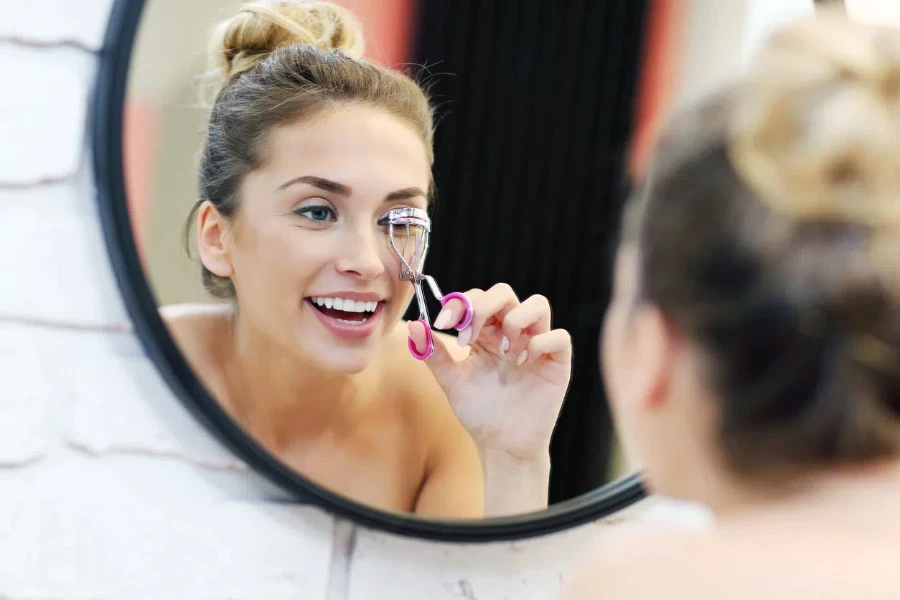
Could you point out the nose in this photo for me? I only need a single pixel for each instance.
(360, 255)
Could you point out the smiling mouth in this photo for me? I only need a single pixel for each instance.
(346, 312)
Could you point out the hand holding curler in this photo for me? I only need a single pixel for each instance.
(509, 390)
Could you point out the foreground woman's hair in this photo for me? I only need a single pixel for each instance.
(768, 233)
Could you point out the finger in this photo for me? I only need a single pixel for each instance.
(554, 345)
(454, 311)
(442, 364)
(489, 307)
(418, 336)
(530, 318)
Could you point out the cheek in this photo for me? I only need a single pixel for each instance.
(403, 292)
(297, 253)
(391, 262)
(303, 253)
(611, 350)
(280, 261)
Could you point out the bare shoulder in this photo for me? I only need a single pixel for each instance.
(453, 485)
(401, 360)
(618, 567)
(740, 564)
(421, 389)
(197, 329)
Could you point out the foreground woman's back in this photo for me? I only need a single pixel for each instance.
(752, 346)
(844, 544)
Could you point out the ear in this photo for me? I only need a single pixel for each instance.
(212, 229)
(655, 345)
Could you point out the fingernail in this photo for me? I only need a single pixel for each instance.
(443, 319)
(464, 336)
(504, 345)
(522, 358)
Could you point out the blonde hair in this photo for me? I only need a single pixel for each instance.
(238, 44)
(283, 62)
(768, 230)
(816, 126)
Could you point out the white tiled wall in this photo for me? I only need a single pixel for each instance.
(108, 488)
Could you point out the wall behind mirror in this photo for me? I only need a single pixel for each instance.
(536, 112)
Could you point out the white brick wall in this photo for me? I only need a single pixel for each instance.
(108, 488)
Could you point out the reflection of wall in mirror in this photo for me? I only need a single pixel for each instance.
(163, 123)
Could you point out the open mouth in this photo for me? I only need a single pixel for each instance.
(346, 312)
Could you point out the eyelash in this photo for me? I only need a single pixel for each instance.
(304, 212)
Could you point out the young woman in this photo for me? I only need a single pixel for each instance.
(752, 347)
(308, 147)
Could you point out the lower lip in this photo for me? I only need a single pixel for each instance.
(350, 332)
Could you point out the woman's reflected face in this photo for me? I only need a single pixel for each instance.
(313, 268)
(617, 351)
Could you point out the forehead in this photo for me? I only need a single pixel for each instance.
(346, 144)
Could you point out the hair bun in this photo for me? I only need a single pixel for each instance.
(259, 28)
(816, 124)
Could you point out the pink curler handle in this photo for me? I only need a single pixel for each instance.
(428, 339)
(470, 312)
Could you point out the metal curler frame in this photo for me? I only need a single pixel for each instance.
(406, 217)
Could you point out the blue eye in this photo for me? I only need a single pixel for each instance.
(317, 214)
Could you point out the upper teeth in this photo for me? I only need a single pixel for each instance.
(346, 305)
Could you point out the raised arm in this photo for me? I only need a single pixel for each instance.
(506, 391)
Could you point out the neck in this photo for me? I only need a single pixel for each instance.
(279, 397)
(731, 497)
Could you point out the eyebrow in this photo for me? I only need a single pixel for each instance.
(319, 182)
(406, 194)
(343, 190)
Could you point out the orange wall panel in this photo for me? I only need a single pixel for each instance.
(659, 62)
(139, 149)
(388, 28)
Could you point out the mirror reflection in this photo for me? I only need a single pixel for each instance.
(369, 277)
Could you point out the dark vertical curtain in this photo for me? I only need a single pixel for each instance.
(535, 99)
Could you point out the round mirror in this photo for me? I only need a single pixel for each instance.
(270, 188)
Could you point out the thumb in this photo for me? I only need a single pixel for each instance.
(442, 364)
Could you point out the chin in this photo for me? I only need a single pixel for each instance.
(348, 367)
(343, 361)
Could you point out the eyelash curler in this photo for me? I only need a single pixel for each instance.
(409, 231)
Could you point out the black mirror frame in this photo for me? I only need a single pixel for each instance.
(106, 114)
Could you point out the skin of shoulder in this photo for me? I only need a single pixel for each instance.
(454, 480)
(741, 565)
(453, 484)
(195, 329)
(618, 568)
